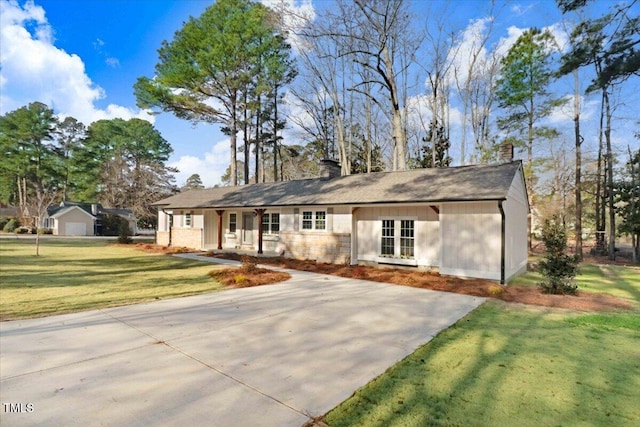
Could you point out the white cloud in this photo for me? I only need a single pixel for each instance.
(296, 14)
(520, 10)
(564, 113)
(210, 167)
(34, 69)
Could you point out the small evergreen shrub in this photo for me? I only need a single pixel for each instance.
(3, 221)
(11, 226)
(22, 230)
(124, 233)
(557, 268)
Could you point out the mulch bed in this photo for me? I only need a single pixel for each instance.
(244, 278)
(584, 301)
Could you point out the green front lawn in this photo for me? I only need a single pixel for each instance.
(73, 275)
(619, 281)
(515, 365)
(509, 365)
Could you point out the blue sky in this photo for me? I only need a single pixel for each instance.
(82, 57)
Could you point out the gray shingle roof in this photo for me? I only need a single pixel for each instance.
(463, 183)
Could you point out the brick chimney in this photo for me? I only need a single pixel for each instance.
(505, 152)
(329, 169)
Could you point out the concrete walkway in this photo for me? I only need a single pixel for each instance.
(266, 356)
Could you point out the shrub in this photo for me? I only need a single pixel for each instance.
(11, 226)
(111, 224)
(22, 230)
(3, 221)
(124, 233)
(240, 279)
(495, 290)
(248, 264)
(558, 268)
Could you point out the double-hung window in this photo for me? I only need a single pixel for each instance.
(271, 223)
(388, 238)
(314, 220)
(397, 239)
(188, 219)
(407, 239)
(233, 222)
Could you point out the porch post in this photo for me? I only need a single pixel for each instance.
(220, 213)
(260, 213)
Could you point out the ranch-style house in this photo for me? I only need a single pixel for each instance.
(468, 221)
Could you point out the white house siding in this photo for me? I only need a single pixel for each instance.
(426, 233)
(471, 239)
(515, 209)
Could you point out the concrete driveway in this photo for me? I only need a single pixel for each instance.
(266, 356)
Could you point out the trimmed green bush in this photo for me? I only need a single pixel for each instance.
(124, 233)
(11, 226)
(558, 268)
(3, 221)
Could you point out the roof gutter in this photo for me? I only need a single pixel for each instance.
(503, 239)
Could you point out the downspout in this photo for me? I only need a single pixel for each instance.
(170, 215)
(503, 239)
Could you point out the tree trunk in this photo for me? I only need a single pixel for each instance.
(247, 144)
(275, 134)
(258, 144)
(399, 137)
(578, 177)
(609, 156)
(233, 144)
(368, 148)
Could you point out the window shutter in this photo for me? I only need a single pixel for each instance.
(296, 219)
(329, 220)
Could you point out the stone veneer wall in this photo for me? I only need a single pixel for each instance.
(322, 247)
(187, 237)
(162, 238)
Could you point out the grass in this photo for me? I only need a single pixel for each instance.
(619, 281)
(74, 275)
(511, 365)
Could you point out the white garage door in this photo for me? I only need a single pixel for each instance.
(76, 229)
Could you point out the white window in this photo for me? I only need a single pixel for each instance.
(314, 220)
(393, 247)
(407, 240)
(233, 222)
(307, 220)
(188, 220)
(388, 238)
(271, 223)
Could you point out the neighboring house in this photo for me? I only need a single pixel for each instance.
(82, 219)
(465, 221)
